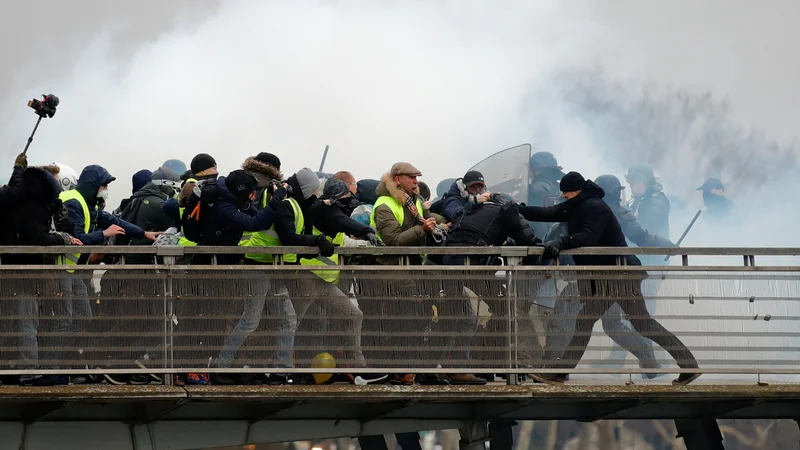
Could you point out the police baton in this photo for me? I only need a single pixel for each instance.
(686, 231)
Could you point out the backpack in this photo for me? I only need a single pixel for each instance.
(197, 207)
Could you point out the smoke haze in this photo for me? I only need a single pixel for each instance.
(696, 90)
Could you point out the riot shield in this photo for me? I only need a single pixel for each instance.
(507, 172)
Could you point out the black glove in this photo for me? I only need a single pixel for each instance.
(552, 249)
(279, 193)
(21, 161)
(326, 247)
(373, 239)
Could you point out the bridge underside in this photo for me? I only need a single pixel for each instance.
(150, 417)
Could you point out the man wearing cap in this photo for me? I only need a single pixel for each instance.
(145, 208)
(591, 223)
(398, 215)
(470, 188)
(718, 207)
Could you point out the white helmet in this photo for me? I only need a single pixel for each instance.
(67, 177)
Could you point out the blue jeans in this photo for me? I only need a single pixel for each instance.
(251, 317)
(73, 312)
(27, 307)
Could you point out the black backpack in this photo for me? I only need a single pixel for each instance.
(197, 208)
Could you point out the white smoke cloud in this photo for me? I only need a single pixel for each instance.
(439, 84)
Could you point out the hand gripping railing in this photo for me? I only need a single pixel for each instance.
(172, 316)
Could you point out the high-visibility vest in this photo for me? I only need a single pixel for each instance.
(395, 206)
(247, 234)
(72, 258)
(331, 276)
(269, 238)
(182, 241)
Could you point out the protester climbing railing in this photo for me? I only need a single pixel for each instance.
(736, 316)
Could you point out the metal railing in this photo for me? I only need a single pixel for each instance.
(171, 316)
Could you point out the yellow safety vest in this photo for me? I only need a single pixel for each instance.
(72, 258)
(397, 210)
(183, 242)
(269, 238)
(331, 276)
(247, 234)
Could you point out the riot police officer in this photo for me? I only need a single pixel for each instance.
(545, 173)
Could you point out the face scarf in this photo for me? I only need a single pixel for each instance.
(438, 233)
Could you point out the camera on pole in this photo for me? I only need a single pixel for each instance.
(46, 107)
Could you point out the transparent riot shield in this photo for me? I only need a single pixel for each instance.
(507, 171)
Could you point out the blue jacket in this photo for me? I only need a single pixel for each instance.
(454, 202)
(89, 183)
(228, 221)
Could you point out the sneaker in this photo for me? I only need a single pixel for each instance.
(46, 380)
(367, 378)
(403, 379)
(686, 378)
(466, 379)
(548, 378)
(225, 379)
(179, 380)
(139, 380)
(153, 376)
(432, 379)
(117, 379)
(78, 379)
(197, 379)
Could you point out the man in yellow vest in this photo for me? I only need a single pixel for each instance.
(92, 227)
(401, 219)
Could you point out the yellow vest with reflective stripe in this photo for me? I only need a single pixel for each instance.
(246, 235)
(182, 241)
(397, 210)
(331, 276)
(72, 258)
(269, 238)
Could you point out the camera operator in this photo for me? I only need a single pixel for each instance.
(10, 196)
(39, 220)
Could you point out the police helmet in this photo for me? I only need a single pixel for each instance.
(640, 174)
(544, 160)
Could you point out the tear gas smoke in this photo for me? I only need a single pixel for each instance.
(440, 84)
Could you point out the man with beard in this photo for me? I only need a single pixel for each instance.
(591, 223)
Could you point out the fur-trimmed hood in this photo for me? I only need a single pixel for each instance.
(387, 186)
(263, 172)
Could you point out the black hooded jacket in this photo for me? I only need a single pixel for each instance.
(590, 223)
(284, 217)
(334, 219)
(41, 219)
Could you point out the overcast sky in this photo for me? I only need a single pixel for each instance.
(436, 83)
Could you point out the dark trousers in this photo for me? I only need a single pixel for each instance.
(598, 296)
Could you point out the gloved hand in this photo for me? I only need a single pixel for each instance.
(373, 239)
(326, 247)
(552, 249)
(279, 193)
(21, 161)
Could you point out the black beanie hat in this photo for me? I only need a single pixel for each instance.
(335, 188)
(241, 184)
(202, 162)
(269, 158)
(572, 182)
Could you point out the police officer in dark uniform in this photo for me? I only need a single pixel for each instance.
(631, 227)
(649, 203)
(545, 174)
(718, 207)
(591, 223)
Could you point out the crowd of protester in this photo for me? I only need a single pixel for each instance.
(258, 206)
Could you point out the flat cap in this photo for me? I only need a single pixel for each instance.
(404, 168)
